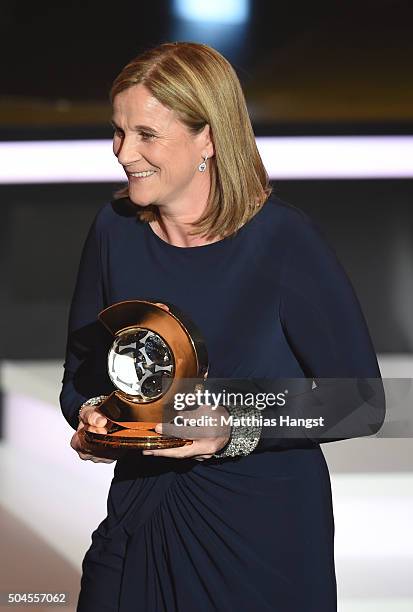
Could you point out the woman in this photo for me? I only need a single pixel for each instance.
(224, 523)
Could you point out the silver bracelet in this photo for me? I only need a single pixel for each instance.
(244, 438)
(93, 401)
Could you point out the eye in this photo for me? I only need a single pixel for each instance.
(146, 136)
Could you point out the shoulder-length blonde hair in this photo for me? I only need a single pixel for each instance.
(201, 86)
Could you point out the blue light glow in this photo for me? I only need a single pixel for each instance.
(218, 11)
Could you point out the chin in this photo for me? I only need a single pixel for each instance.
(139, 201)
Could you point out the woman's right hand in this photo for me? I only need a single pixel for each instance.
(98, 423)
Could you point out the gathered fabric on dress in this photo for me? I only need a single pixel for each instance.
(256, 531)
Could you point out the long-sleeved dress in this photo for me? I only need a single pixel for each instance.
(251, 533)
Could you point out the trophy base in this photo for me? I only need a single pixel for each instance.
(121, 438)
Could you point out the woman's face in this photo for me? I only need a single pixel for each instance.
(150, 142)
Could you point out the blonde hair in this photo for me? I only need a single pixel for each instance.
(201, 86)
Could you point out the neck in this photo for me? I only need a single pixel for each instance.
(173, 220)
(176, 230)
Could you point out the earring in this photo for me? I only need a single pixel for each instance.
(202, 167)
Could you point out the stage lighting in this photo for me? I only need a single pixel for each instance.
(217, 11)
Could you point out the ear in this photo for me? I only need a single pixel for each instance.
(207, 142)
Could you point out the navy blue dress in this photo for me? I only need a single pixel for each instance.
(250, 533)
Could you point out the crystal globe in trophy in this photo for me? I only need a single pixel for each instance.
(154, 350)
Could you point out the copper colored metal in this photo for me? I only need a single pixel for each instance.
(132, 419)
(127, 438)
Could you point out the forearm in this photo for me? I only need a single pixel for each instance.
(336, 409)
(70, 402)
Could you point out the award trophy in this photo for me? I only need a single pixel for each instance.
(153, 349)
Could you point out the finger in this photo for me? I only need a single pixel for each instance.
(196, 449)
(86, 452)
(86, 457)
(200, 422)
(95, 458)
(203, 457)
(78, 441)
(79, 445)
(199, 449)
(181, 452)
(75, 442)
(93, 416)
(178, 431)
(193, 432)
(99, 430)
(101, 459)
(96, 418)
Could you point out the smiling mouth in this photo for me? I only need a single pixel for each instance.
(144, 174)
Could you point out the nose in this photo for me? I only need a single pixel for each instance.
(126, 151)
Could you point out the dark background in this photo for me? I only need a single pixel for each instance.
(306, 67)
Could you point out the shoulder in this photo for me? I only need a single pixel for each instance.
(290, 216)
(283, 221)
(114, 214)
(305, 246)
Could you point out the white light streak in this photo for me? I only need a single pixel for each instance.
(289, 157)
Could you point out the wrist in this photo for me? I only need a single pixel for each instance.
(245, 432)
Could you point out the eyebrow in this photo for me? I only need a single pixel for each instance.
(137, 128)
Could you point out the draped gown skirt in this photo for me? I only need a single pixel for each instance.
(245, 534)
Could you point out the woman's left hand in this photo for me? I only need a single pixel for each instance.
(207, 439)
